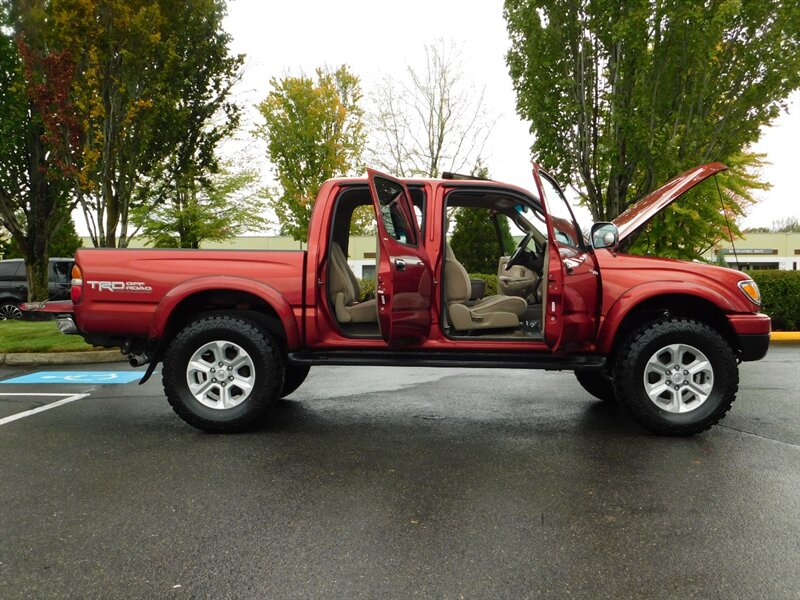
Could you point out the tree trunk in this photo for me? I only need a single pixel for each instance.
(38, 277)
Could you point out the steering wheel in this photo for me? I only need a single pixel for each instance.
(519, 251)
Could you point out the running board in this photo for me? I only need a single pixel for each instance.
(491, 360)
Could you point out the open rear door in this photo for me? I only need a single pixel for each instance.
(405, 279)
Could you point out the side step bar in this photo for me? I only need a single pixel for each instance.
(411, 358)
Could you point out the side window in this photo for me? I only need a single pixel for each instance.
(9, 269)
(393, 213)
(564, 225)
(418, 200)
(61, 271)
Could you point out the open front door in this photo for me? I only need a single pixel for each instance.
(405, 279)
(572, 286)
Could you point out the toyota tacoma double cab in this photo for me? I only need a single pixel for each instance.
(238, 330)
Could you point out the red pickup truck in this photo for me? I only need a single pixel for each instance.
(238, 330)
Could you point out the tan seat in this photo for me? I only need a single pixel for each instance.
(492, 312)
(516, 281)
(344, 292)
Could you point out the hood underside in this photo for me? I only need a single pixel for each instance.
(648, 207)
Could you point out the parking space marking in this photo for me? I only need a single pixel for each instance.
(77, 377)
(69, 398)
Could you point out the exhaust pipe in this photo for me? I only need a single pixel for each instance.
(137, 360)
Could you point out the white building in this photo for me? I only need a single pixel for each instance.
(761, 251)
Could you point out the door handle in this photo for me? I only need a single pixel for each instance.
(400, 264)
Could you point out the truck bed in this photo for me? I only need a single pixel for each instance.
(123, 287)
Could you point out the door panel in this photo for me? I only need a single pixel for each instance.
(573, 278)
(404, 277)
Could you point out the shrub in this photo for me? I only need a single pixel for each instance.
(780, 297)
(491, 282)
(367, 288)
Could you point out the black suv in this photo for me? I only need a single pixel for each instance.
(14, 284)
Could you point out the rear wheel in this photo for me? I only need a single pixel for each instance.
(676, 376)
(294, 378)
(597, 383)
(222, 373)
(9, 311)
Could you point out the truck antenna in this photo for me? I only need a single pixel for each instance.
(727, 223)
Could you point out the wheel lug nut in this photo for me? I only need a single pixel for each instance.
(220, 364)
(230, 368)
(213, 380)
(230, 378)
(213, 370)
(223, 384)
(669, 373)
(686, 372)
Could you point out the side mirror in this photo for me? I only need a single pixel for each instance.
(604, 235)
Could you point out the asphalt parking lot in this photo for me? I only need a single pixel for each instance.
(392, 483)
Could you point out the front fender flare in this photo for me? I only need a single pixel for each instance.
(633, 297)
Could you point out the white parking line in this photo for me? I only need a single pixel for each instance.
(38, 409)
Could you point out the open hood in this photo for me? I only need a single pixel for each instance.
(648, 207)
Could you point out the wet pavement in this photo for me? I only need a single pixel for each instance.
(399, 483)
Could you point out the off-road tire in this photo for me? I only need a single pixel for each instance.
(633, 358)
(598, 384)
(268, 366)
(294, 377)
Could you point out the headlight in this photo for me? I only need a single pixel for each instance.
(750, 289)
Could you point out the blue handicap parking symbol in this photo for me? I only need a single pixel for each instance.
(77, 377)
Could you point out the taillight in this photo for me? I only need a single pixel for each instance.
(76, 291)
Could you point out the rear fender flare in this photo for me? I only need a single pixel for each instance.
(267, 293)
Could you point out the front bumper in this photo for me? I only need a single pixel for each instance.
(753, 347)
(752, 332)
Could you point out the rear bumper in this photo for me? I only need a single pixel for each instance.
(54, 307)
(62, 310)
(752, 332)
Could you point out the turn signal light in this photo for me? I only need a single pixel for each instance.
(750, 289)
(76, 291)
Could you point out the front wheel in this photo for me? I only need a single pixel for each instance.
(222, 373)
(676, 376)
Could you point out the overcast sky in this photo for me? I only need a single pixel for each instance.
(289, 37)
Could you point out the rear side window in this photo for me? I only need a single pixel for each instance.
(9, 270)
(392, 200)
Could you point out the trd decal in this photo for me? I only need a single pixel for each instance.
(121, 286)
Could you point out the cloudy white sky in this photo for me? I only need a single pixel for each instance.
(293, 36)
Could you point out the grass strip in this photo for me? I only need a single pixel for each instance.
(37, 336)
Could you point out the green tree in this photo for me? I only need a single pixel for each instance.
(224, 206)
(36, 123)
(314, 131)
(64, 243)
(153, 95)
(622, 96)
(474, 239)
